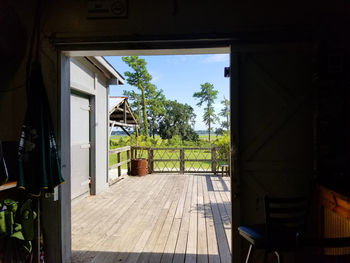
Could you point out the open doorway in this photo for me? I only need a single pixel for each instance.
(203, 200)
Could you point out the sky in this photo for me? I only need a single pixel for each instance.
(179, 76)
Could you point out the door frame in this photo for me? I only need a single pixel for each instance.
(64, 125)
(92, 136)
(64, 143)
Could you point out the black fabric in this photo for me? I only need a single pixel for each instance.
(39, 165)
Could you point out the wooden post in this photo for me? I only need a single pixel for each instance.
(152, 163)
(128, 161)
(213, 160)
(149, 160)
(124, 111)
(119, 167)
(182, 161)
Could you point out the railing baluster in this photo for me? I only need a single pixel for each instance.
(182, 161)
(119, 167)
(149, 160)
(129, 161)
(213, 160)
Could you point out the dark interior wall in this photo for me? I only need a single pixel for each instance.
(184, 17)
(242, 22)
(276, 112)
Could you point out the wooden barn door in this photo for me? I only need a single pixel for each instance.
(80, 145)
(272, 130)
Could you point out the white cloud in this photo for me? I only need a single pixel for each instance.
(217, 58)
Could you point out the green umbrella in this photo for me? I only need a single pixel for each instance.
(39, 165)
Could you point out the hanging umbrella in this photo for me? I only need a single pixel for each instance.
(39, 165)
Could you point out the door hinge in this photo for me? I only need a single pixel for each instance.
(86, 108)
(227, 72)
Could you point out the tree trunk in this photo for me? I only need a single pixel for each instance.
(145, 121)
(138, 110)
(209, 120)
(209, 130)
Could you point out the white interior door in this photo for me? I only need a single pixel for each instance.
(80, 145)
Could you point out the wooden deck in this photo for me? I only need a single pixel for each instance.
(155, 218)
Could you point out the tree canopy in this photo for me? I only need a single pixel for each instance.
(225, 112)
(155, 110)
(207, 96)
(177, 120)
(139, 78)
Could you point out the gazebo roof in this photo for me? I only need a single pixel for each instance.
(120, 113)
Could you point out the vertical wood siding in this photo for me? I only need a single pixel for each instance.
(336, 226)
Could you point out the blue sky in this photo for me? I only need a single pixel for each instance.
(179, 76)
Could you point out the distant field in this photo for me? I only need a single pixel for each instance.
(116, 137)
(206, 137)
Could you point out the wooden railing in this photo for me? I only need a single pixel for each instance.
(118, 152)
(180, 160)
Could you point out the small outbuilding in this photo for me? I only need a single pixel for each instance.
(90, 78)
(121, 115)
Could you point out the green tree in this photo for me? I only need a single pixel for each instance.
(207, 96)
(177, 120)
(140, 78)
(155, 107)
(219, 131)
(135, 99)
(225, 112)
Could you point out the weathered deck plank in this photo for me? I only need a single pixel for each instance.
(156, 218)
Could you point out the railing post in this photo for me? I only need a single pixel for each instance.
(149, 160)
(119, 167)
(132, 152)
(128, 160)
(182, 161)
(213, 160)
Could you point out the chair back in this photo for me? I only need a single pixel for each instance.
(286, 214)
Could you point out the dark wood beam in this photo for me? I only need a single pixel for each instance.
(125, 130)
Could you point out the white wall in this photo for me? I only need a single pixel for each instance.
(101, 136)
(85, 79)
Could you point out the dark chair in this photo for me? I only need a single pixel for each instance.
(285, 217)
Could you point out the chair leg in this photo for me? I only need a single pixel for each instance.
(250, 254)
(277, 256)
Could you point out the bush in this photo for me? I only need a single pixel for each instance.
(223, 145)
(174, 141)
